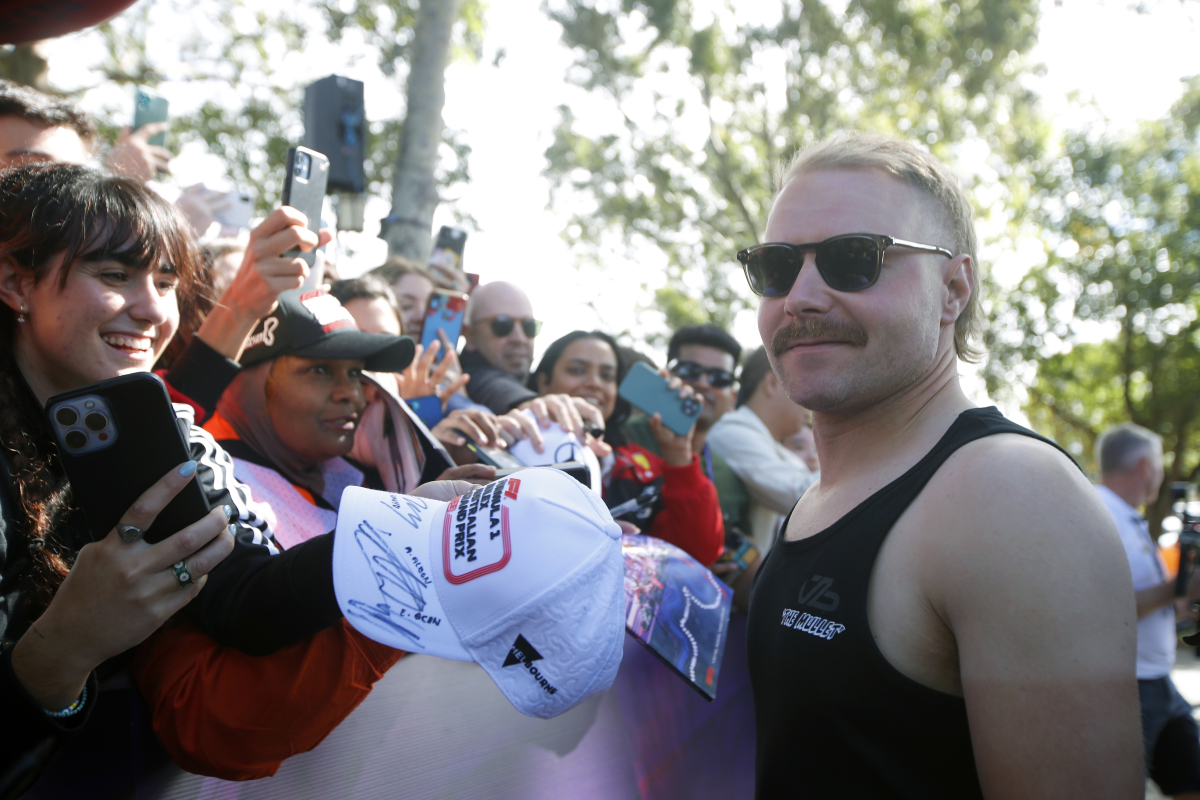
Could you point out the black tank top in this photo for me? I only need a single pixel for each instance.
(834, 718)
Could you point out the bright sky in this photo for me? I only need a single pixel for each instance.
(1130, 63)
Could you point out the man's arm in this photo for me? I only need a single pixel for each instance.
(774, 481)
(1033, 582)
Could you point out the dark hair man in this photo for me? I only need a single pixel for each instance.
(920, 631)
(751, 439)
(1130, 460)
(705, 357)
(37, 127)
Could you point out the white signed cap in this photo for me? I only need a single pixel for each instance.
(523, 576)
(558, 446)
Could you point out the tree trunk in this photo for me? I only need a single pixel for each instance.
(408, 230)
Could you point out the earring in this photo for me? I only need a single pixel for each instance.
(21, 315)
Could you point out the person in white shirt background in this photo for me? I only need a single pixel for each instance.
(751, 439)
(1130, 460)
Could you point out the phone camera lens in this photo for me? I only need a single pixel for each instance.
(66, 416)
(690, 406)
(96, 421)
(76, 440)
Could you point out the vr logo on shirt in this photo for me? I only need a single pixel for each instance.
(475, 536)
(523, 653)
(818, 595)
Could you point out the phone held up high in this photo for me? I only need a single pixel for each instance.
(304, 190)
(149, 107)
(116, 439)
(649, 391)
(446, 258)
(445, 313)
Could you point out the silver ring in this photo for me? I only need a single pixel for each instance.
(182, 574)
(129, 533)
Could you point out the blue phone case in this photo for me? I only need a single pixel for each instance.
(647, 390)
(428, 409)
(445, 313)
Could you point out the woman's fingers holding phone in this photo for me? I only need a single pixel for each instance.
(145, 509)
(193, 542)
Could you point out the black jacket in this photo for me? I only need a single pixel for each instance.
(491, 387)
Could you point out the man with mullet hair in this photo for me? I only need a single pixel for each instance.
(948, 611)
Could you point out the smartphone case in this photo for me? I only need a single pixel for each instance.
(445, 312)
(147, 108)
(150, 441)
(306, 195)
(647, 390)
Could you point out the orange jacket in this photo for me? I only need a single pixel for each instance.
(220, 712)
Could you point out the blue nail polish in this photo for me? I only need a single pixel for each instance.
(188, 468)
(233, 529)
(228, 511)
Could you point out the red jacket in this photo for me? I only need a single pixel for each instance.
(687, 514)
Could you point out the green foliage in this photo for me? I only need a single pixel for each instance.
(692, 177)
(247, 51)
(1113, 317)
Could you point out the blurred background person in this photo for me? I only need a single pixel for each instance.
(1130, 460)
(704, 357)
(412, 286)
(751, 440)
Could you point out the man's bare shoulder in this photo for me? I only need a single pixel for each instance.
(1018, 478)
(1015, 514)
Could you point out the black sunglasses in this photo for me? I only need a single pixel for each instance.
(691, 371)
(502, 325)
(848, 263)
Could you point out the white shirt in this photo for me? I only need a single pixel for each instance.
(1156, 630)
(774, 476)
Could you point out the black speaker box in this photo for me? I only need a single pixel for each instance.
(335, 124)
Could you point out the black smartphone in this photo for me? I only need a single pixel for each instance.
(649, 391)
(492, 457)
(116, 439)
(304, 190)
(149, 107)
(576, 469)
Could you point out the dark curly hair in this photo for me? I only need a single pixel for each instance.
(80, 214)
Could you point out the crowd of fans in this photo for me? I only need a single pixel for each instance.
(293, 397)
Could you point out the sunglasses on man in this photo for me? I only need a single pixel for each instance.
(848, 263)
(502, 325)
(691, 371)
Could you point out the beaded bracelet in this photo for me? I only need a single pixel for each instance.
(72, 709)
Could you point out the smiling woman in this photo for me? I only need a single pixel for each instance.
(96, 273)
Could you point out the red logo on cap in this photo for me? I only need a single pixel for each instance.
(514, 486)
(488, 569)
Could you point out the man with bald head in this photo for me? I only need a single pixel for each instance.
(947, 611)
(499, 329)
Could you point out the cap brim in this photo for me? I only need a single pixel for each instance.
(383, 568)
(380, 351)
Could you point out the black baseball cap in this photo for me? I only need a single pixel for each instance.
(316, 325)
